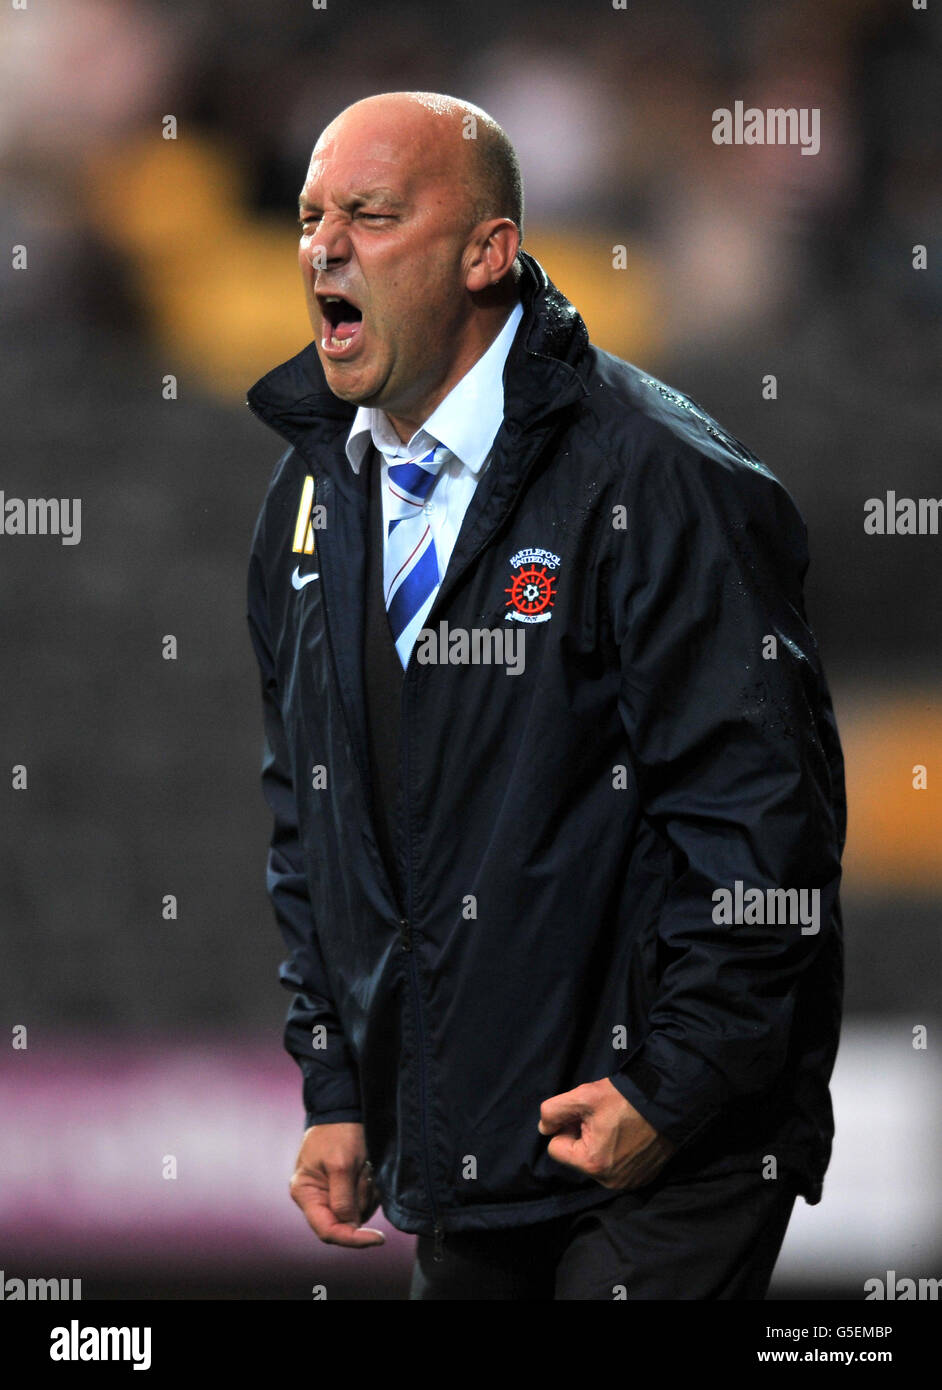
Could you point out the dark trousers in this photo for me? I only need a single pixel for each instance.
(701, 1238)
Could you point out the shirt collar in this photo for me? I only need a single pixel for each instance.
(466, 421)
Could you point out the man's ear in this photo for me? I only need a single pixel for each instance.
(492, 254)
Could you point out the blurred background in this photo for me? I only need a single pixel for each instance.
(150, 258)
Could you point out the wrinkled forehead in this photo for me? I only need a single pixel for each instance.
(406, 158)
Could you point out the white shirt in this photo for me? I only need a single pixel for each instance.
(466, 422)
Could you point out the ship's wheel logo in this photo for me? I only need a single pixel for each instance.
(531, 589)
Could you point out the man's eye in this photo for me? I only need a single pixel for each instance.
(307, 224)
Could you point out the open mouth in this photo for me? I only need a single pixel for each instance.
(342, 321)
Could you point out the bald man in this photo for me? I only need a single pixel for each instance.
(556, 783)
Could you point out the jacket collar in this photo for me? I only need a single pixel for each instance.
(544, 371)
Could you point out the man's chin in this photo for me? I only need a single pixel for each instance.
(346, 382)
(347, 385)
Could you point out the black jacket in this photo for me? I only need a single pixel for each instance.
(563, 830)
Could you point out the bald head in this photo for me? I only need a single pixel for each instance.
(411, 217)
(468, 141)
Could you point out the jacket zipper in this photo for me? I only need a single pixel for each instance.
(407, 945)
(405, 941)
(405, 923)
(405, 936)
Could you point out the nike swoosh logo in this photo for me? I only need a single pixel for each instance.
(298, 580)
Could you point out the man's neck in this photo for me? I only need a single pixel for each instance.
(489, 331)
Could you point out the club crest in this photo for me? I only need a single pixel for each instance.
(531, 592)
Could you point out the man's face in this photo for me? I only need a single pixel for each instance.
(383, 227)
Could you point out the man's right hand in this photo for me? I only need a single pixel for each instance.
(333, 1185)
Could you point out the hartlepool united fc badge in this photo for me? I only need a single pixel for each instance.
(531, 588)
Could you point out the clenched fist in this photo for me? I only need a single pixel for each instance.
(597, 1131)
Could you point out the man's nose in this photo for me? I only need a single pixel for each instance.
(329, 246)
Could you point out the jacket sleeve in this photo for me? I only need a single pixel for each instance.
(330, 1088)
(737, 767)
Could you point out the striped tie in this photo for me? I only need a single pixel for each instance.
(411, 562)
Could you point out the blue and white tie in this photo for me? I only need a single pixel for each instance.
(411, 563)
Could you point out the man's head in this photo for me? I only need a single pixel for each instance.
(411, 213)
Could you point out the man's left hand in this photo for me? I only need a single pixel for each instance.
(597, 1131)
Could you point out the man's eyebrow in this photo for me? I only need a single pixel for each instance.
(385, 195)
(366, 195)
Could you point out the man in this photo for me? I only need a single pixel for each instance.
(557, 788)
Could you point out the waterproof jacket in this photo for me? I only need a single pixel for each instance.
(566, 831)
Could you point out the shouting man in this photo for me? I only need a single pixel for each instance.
(560, 1000)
